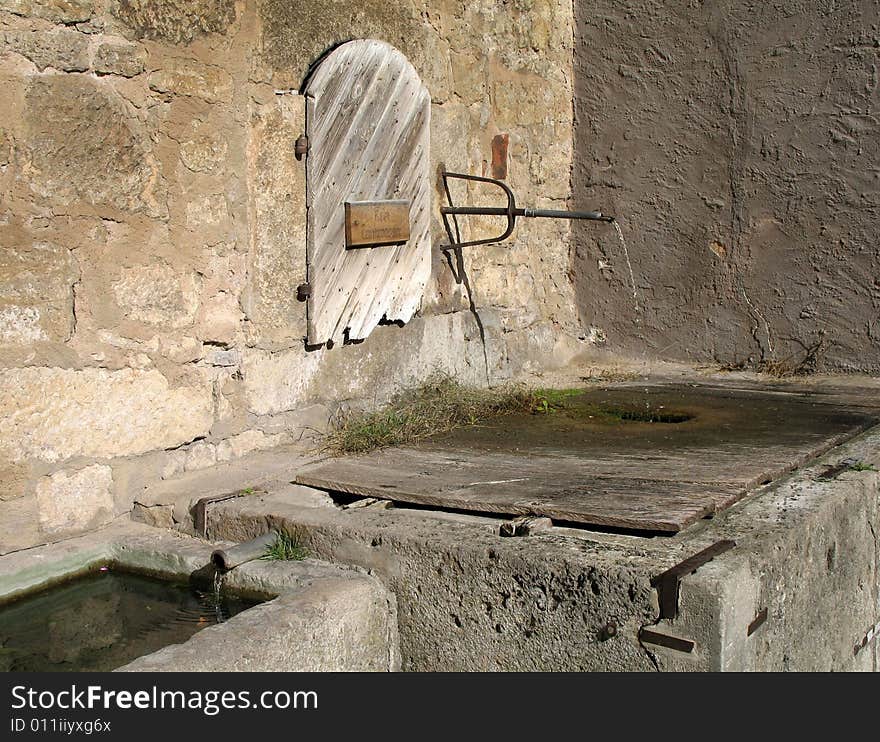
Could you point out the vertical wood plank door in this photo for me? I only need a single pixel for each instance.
(368, 124)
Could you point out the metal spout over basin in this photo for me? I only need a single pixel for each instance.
(234, 556)
(511, 211)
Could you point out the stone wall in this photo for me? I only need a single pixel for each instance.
(152, 232)
(739, 144)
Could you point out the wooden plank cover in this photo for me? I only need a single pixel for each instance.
(643, 478)
(562, 489)
(367, 120)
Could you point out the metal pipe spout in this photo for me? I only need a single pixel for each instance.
(248, 551)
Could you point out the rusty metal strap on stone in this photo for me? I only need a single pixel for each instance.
(668, 583)
(646, 636)
(200, 510)
(872, 634)
(759, 621)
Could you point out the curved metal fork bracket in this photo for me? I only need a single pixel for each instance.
(453, 211)
(510, 211)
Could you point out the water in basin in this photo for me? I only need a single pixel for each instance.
(104, 619)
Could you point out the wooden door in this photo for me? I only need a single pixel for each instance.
(367, 120)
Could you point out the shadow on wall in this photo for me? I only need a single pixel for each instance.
(738, 147)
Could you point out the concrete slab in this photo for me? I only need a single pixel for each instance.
(575, 599)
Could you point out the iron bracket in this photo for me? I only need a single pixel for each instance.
(872, 634)
(647, 636)
(757, 622)
(668, 583)
(200, 510)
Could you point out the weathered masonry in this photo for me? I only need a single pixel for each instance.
(154, 230)
(221, 228)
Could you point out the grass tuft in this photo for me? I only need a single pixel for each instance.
(439, 406)
(442, 405)
(285, 548)
(861, 466)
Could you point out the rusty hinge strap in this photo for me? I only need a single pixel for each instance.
(667, 584)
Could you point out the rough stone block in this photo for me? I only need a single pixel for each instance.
(276, 184)
(158, 295)
(218, 322)
(394, 358)
(175, 21)
(36, 296)
(13, 480)
(223, 358)
(21, 325)
(119, 57)
(84, 146)
(53, 414)
(204, 153)
(244, 443)
(75, 500)
(20, 524)
(194, 79)
(291, 36)
(200, 455)
(203, 212)
(57, 11)
(62, 49)
(177, 349)
(277, 382)
(158, 516)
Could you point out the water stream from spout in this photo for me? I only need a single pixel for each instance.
(632, 277)
(218, 585)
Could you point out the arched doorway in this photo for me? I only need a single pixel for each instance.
(367, 122)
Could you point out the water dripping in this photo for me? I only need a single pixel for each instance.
(632, 277)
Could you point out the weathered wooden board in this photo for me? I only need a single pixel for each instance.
(367, 120)
(518, 485)
(639, 477)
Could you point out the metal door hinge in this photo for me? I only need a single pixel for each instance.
(301, 146)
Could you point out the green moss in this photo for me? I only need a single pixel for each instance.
(549, 400)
